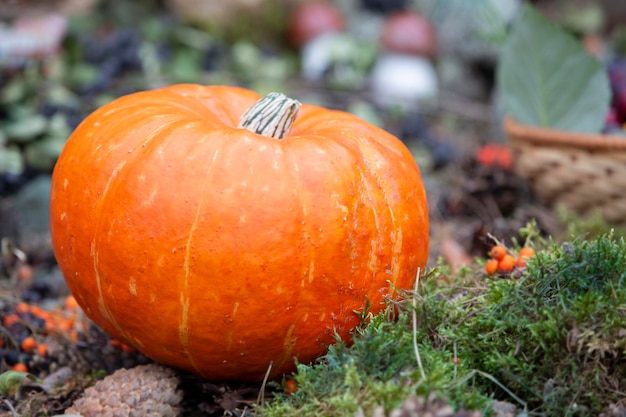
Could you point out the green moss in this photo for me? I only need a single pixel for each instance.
(590, 226)
(550, 339)
(379, 368)
(555, 336)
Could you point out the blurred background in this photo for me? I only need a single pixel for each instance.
(422, 69)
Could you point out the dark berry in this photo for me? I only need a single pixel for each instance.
(10, 183)
(211, 58)
(442, 154)
(414, 126)
(10, 356)
(31, 296)
(617, 72)
(384, 6)
(619, 102)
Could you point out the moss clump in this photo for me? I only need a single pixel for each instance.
(550, 338)
(379, 369)
(555, 336)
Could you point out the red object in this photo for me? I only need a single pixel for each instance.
(409, 32)
(311, 19)
(291, 386)
(495, 155)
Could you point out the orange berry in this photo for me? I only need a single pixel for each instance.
(24, 272)
(29, 344)
(127, 348)
(506, 264)
(22, 307)
(491, 266)
(42, 349)
(64, 324)
(523, 256)
(45, 315)
(10, 319)
(291, 386)
(116, 343)
(38, 311)
(526, 252)
(70, 303)
(50, 325)
(19, 367)
(498, 252)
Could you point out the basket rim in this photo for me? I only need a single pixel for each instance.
(549, 136)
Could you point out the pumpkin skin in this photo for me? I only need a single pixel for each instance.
(218, 250)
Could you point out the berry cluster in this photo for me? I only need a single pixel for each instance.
(27, 324)
(504, 262)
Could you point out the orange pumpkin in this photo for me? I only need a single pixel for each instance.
(221, 247)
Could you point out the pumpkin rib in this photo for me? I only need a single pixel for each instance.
(385, 153)
(260, 148)
(387, 203)
(297, 184)
(352, 145)
(370, 183)
(103, 308)
(365, 191)
(183, 327)
(168, 104)
(227, 104)
(289, 340)
(370, 186)
(116, 180)
(349, 148)
(169, 138)
(224, 152)
(115, 174)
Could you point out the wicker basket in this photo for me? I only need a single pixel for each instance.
(582, 172)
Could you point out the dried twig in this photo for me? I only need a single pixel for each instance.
(415, 347)
(261, 398)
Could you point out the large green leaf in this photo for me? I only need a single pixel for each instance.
(546, 78)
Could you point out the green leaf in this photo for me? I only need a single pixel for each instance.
(11, 381)
(42, 154)
(27, 128)
(11, 160)
(546, 78)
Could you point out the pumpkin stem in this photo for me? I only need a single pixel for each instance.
(271, 116)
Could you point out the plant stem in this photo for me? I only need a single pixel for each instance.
(10, 407)
(271, 116)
